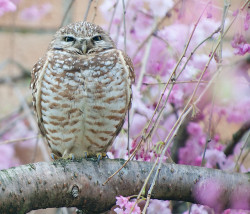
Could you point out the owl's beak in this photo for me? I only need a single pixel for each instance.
(84, 46)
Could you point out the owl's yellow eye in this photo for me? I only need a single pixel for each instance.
(97, 38)
(69, 39)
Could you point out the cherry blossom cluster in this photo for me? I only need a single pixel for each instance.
(154, 62)
(31, 14)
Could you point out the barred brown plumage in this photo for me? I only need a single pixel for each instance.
(81, 91)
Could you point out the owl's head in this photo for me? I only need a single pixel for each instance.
(81, 38)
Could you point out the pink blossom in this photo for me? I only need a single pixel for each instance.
(176, 96)
(198, 209)
(214, 157)
(230, 211)
(166, 126)
(216, 137)
(240, 45)
(209, 11)
(125, 206)
(235, 13)
(190, 154)
(194, 129)
(139, 105)
(119, 147)
(209, 192)
(241, 197)
(129, 206)
(7, 157)
(158, 63)
(159, 7)
(6, 6)
(246, 21)
(122, 201)
(238, 147)
(159, 207)
(106, 7)
(137, 124)
(239, 112)
(173, 34)
(35, 12)
(119, 210)
(197, 161)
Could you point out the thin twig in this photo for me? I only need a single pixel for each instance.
(128, 144)
(125, 50)
(144, 64)
(30, 118)
(225, 11)
(66, 12)
(195, 49)
(87, 10)
(241, 150)
(236, 138)
(208, 139)
(130, 157)
(144, 185)
(35, 149)
(244, 156)
(9, 124)
(19, 140)
(159, 116)
(174, 82)
(186, 111)
(124, 26)
(159, 23)
(174, 72)
(119, 25)
(95, 11)
(113, 15)
(176, 126)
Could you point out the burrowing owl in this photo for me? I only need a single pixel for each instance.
(81, 91)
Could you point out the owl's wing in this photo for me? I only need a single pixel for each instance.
(126, 61)
(34, 87)
(130, 66)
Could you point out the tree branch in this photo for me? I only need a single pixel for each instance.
(236, 138)
(79, 184)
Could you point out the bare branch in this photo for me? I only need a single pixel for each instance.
(79, 184)
(87, 10)
(236, 138)
(67, 12)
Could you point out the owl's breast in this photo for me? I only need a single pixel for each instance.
(108, 92)
(83, 101)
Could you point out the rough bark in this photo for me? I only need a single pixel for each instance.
(79, 184)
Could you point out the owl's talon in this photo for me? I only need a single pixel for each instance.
(54, 156)
(68, 157)
(86, 154)
(100, 155)
(71, 156)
